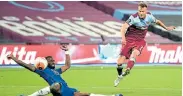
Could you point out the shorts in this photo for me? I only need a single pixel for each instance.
(66, 91)
(130, 45)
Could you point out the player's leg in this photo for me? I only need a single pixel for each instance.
(41, 92)
(81, 94)
(120, 62)
(105, 95)
(56, 91)
(131, 61)
(124, 54)
(92, 94)
(136, 51)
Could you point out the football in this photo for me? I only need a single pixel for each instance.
(40, 63)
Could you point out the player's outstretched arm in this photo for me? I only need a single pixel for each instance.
(67, 58)
(123, 31)
(21, 63)
(169, 28)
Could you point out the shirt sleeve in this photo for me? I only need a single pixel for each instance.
(130, 20)
(153, 19)
(38, 71)
(59, 70)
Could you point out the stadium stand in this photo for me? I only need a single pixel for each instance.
(161, 10)
(93, 12)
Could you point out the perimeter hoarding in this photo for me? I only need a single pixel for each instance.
(92, 54)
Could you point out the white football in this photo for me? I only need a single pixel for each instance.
(41, 63)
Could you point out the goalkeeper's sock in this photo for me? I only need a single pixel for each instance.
(41, 92)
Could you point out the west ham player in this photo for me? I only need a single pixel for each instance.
(58, 87)
(133, 40)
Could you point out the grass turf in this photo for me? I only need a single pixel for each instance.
(142, 81)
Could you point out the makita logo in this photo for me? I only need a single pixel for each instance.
(159, 55)
(19, 52)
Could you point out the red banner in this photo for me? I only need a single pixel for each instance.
(28, 53)
(165, 53)
(95, 54)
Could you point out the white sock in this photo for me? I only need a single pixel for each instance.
(41, 92)
(99, 95)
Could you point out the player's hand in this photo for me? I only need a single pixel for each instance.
(123, 41)
(170, 28)
(64, 47)
(10, 56)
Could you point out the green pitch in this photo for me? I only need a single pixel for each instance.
(142, 81)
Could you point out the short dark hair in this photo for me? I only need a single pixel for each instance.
(142, 4)
(48, 57)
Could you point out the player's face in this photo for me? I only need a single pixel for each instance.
(51, 62)
(142, 12)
